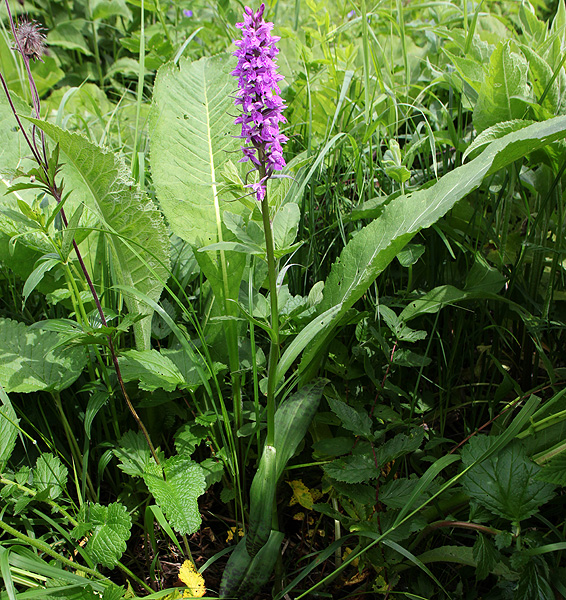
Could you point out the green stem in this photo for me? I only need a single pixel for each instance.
(274, 347)
(33, 493)
(46, 549)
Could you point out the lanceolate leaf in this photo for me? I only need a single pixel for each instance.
(137, 235)
(377, 244)
(109, 527)
(28, 362)
(176, 486)
(192, 137)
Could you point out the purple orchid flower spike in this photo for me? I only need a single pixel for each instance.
(259, 96)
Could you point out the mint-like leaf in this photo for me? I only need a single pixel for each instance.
(49, 475)
(110, 527)
(176, 485)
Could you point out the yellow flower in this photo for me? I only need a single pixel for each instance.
(193, 580)
(232, 531)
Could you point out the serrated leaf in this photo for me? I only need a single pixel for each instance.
(554, 471)
(136, 232)
(533, 582)
(394, 494)
(8, 428)
(50, 475)
(505, 482)
(359, 423)
(151, 370)
(503, 89)
(486, 556)
(376, 245)
(353, 469)
(108, 528)
(176, 485)
(401, 444)
(192, 137)
(30, 361)
(133, 453)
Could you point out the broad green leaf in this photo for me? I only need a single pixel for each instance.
(50, 475)
(37, 275)
(133, 453)
(136, 233)
(192, 137)
(108, 529)
(8, 428)
(285, 224)
(176, 484)
(103, 9)
(262, 497)
(533, 582)
(401, 444)
(375, 246)
(151, 369)
(68, 35)
(554, 471)
(504, 483)
(292, 420)
(365, 464)
(502, 93)
(353, 469)
(359, 423)
(30, 361)
(410, 254)
(395, 493)
(494, 133)
(486, 556)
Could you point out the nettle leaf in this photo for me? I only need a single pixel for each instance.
(8, 428)
(371, 250)
(136, 232)
(359, 423)
(176, 484)
(108, 528)
(395, 493)
(133, 453)
(353, 469)
(486, 555)
(401, 444)
(554, 471)
(533, 581)
(30, 361)
(505, 482)
(50, 475)
(504, 89)
(151, 370)
(192, 137)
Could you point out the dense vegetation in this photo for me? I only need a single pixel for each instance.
(352, 388)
